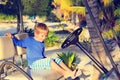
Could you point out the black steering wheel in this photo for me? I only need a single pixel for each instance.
(72, 38)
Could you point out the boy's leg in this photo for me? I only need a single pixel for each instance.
(76, 72)
(67, 73)
(48, 63)
(58, 68)
(62, 65)
(61, 70)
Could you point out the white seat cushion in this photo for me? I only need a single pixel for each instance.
(7, 49)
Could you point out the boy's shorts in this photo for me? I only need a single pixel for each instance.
(44, 63)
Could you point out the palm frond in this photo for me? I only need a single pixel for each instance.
(107, 2)
(78, 9)
(117, 12)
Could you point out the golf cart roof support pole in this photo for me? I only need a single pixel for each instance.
(98, 32)
(92, 58)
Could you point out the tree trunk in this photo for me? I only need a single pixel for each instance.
(18, 23)
(97, 46)
(20, 27)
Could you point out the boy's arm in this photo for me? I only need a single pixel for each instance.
(17, 42)
(9, 35)
(20, 43)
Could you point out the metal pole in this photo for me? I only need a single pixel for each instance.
(92, 58)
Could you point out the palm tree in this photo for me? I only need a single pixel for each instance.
(98, 47)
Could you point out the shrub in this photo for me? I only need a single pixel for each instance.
(117, 30)
(70, 59)
(52, 39)
(109, 34)
(84, 36)
(7, 17)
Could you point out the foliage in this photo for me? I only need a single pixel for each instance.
(61, 26)
(25, 63)
(116, 3)
(36, 7)
(29, 31)
(52, 39)
(10, 7)
(109, 34)
(52, 18)
(78, 9)
(84, 36)
(117, 12)
(67, 7)
(112, 11)
(7, 17)
(70, 59)
(43, 18)
(117, 27)
(64, 2)
(107, 2)
(118, 22)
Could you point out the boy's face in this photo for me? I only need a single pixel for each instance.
(41, 36)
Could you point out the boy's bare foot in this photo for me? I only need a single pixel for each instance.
(72, 74)
(66, 75)
(77, 72)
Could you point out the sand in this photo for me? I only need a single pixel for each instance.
(85, 64)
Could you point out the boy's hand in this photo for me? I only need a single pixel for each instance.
(9, 35)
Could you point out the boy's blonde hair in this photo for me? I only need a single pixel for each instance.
(40, 26)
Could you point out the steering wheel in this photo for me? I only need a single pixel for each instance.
(72, 38)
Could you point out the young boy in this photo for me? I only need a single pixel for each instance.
(35, 52)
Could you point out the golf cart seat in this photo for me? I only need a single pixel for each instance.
(21, 51)
(7, 49)
(7, 52)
